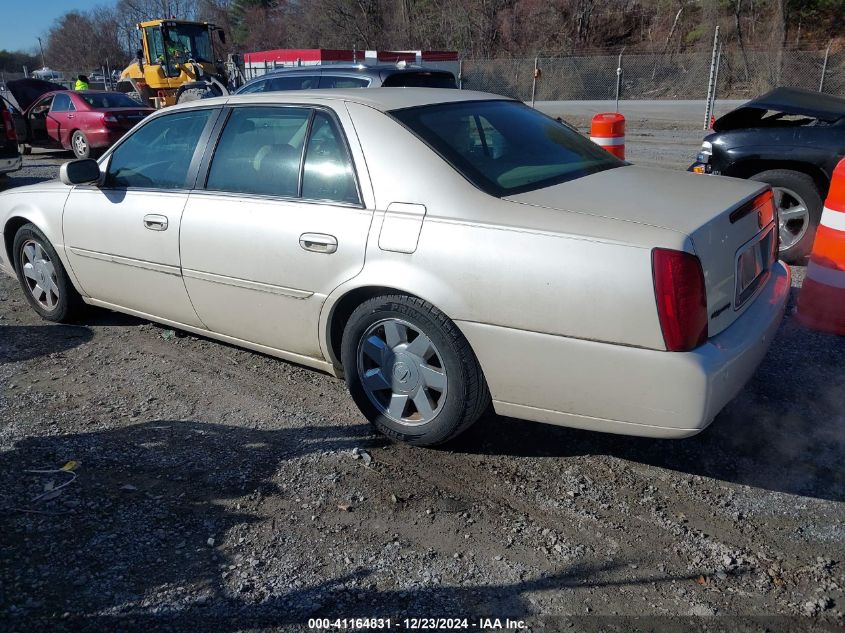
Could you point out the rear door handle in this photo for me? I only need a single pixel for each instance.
(70, 116)
(155, 222)
(318, 242)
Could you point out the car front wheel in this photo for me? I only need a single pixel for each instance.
(43, 277)
(411, 371)
(799, 208)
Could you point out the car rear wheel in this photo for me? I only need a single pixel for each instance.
(411, 371)
(80, 145)
(43, 277)
(799, 207)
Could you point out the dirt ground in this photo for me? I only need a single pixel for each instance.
(218, 489)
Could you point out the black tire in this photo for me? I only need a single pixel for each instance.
(69, 303)
(804, 187)
(466, 396)
(194, 94)
(24, 150)
(80, 145)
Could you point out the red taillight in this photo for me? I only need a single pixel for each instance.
(9, 124)
(681, 298)
(110, 120)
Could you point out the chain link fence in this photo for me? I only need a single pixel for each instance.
(655, 76)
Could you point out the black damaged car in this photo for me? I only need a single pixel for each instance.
(791, 139)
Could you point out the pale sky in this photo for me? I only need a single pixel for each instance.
(22, 22)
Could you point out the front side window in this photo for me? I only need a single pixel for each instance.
(42, 107)
(257, 86)
(505, 147)
(158, 155)
(260, 152)
(343, 82)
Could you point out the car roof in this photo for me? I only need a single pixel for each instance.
(383, 99)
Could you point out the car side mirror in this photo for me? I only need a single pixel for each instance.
(80, 172)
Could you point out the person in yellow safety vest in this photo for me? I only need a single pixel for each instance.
(81, 83)
(176, 50)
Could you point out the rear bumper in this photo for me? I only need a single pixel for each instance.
(627, 390)
(10, 164)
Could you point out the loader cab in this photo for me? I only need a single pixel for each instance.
(169, 44)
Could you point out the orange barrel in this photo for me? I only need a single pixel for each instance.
(608, 131)
(821, 304)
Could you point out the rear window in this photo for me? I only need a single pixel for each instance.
(505, 147)
(109, 100)
(422, 79)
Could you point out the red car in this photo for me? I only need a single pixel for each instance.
(87, 121)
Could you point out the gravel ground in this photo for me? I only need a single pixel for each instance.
(218, 489)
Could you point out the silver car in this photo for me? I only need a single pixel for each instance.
(443, 251)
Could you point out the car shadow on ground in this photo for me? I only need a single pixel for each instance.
(25, 342)
(130, 532)
(784, 432)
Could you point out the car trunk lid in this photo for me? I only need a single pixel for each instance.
(718, 215)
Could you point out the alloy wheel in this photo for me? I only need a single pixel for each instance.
(80, 145)
(40, 275)
(402, 372)
(793, 216)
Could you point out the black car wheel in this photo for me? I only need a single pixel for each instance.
(43, 277)
(799, 208)
(411, 371)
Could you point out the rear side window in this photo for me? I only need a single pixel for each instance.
(328, 169)
(343, 82)
(505, 147)
(422, 79)
(260, 152)
(159, 154)
(293, 82)
(62, 103)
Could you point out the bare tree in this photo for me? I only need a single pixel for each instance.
(79, 41)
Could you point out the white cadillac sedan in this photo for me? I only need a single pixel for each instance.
(442, 250)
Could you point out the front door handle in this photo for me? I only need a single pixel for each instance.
(70, 116)
(155, 222)
(318, 242)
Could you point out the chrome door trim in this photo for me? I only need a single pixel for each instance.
(246, 284)
(166, 269)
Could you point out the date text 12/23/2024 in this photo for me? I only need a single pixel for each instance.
(417, 624)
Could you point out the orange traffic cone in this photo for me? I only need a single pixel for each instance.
(821, 304)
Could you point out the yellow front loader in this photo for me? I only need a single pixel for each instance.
(177, 63)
